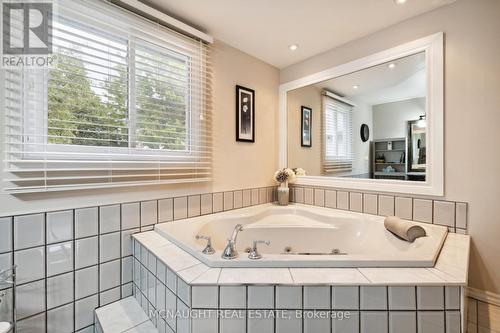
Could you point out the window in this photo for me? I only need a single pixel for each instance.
(337, 136)
(128, 102)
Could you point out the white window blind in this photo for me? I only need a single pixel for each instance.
(337, 136)
(128, 103)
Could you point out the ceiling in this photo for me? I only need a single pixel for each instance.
(381, 84)
(266, 28)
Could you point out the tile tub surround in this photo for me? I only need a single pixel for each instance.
(446, 213)
(296, 300)
(73, 261)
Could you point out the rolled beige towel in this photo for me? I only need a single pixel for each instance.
(403, 229)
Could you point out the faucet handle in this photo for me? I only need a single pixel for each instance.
(208, 249)
(254, 253)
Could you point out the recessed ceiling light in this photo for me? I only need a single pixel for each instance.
(391, 65)
(355, 86)
(293, 47)
(399, 2)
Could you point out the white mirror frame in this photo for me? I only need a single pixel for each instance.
(434, 184)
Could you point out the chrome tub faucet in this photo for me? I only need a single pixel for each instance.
(230, 251)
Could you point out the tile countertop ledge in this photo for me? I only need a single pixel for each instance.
(451, 268)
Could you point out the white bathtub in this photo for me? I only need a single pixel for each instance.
(309, 233)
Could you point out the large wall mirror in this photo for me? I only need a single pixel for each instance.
(373, 124)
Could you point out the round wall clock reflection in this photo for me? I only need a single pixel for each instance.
(364, 132)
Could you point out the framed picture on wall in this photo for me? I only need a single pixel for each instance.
(245, 114)
(306, 127)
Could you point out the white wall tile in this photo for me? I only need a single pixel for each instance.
(288, 297)
(30, 264)
(374, 322)
(461, 215)
(184, 291)
(403, 208)
(59, 258)
(402, 298)
(59, 226)
(180, 208)
(260, 297)
(262, 195)
(170, 305)
(370, 203)
(228, 200)
(109, 275)
(6, 263)
(160, 295)
(109, 246)
(261, 325)
(430, 298)
(316, 325)
(166, 210)
(59, 290)
(385, 205)
(373, 298)
(205, 297)
(86, 222)
(232, 297)
(255, 196)
(127, 268)
(131, 215)
(86, 282)
(5, 234)
(403, 322)
(238, 199)
(30, 299)
(298, 194)
(109, 218)
(109, 296)
(84, 312)
(29, 231)
(345, 298)
(218, 202)
(343, 200)
(86, 252)
(206, 204)
(271, 197)
(331, 199)
(452, 298)
(247, 198)
(60, 320)
(316, 297)
(127, 241)
(288, 325)
(319, 197)
(444, 213)
(206, 324)
(234, 324)
(453, 322)
(422, 210)
(309, 196)
(35, 324)
(171, 280)
(194, 206)
(356, 202)
(430, 322)
(149, 212)
(347, 324)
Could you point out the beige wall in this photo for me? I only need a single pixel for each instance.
(236, 165)
(304, 157)
(472, 113)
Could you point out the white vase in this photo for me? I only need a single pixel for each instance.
(283, 195)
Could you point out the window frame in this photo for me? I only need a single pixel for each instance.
(54, 151)
(348, 141)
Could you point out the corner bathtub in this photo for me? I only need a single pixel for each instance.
(304, 236)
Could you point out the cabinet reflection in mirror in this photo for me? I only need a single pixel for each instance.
(390, 98)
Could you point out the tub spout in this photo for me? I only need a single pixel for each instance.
(230, 251)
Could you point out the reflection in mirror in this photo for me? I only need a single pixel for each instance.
(389, 99)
